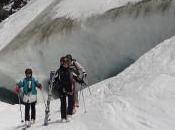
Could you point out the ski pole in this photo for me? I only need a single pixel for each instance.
(84, 102)
(88, 88)
(81, 93)
(20, 107)
(43, 98)
(86, 84)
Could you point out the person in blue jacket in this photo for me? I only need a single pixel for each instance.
(28, 87)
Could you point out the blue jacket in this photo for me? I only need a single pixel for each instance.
(25, 85)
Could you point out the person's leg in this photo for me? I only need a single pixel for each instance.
(73, 103)
(27, 109)
(33, 111)
(70, 104)
(76, 102)
(63, 107)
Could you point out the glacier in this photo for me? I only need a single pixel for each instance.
(104, 42)
(141, 97)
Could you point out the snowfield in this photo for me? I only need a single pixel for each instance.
(140, 98)
(85, 9)
(13, 25)
(20, 31)
(80, 9)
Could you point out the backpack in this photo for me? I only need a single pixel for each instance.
(74, 69)
(56, 86)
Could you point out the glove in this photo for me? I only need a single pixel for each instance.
(40, 87)
(17, 89)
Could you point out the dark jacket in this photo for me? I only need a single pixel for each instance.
(64, 80)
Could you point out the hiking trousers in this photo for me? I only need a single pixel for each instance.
(27, 111)
(63, 107)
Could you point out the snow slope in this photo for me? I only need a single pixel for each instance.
(85, 9)
(99, 39)
(140, 98)
(18, 36)
(13, 25)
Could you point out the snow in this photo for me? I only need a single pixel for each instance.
(13, 25)
(14, 33)
(85, 9)
(81, 9)
(140, 98)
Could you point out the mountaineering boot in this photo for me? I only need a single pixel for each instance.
(32, 121)
(27, 124)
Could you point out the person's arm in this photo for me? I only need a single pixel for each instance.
(80, 67)
(18, 86)
(38, 85)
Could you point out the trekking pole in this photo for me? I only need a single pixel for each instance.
(81, 94)
(20, 108)
(86, 84)
(89, 89)
(43, 98)
(83, 101)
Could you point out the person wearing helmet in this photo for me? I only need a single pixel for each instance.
(28, 87)
(78, 71)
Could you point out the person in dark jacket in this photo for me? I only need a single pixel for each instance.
(64, 79)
